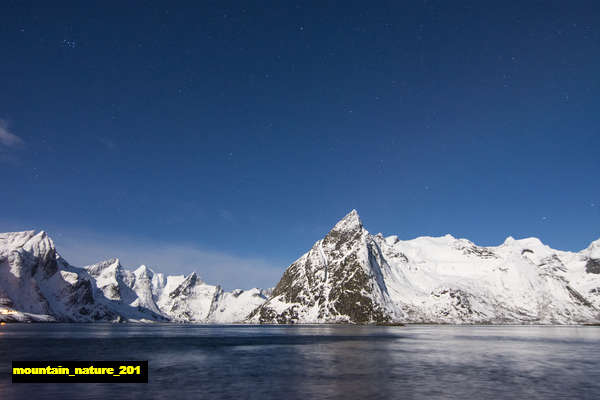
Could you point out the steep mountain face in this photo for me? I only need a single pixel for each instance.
(353, 276)
(338, 280)
(37, 284)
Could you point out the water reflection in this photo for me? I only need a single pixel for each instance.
(318, 362)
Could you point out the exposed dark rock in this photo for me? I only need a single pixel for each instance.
(578, 297)
(289, 286)
(592, 266)
(480, 252)
(552, 267)
(349, 295)
(81, 293)
(185, 287)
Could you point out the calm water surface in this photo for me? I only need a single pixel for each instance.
(315, 362)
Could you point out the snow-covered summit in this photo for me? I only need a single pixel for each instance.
(350, 222)
(593, 250)
(353, 276)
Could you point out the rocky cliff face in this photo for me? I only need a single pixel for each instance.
(353, 276)
(37, 284)
(338, 280)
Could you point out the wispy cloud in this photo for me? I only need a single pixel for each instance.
(107, 142)
(214, 267)
(226, 215)
(9, 142)
(7, 138)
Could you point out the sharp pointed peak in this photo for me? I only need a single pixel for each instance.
(350, 222)
(143, 270)
(111, 262)
(353, 213)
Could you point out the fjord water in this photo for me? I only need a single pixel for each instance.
(315, 362)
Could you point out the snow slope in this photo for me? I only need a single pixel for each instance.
(37, 284)
(349, 276)
(353, 276)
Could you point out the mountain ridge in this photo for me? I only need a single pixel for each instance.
(348, 276)
(38, 284)
(434, 280)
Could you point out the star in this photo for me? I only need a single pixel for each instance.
(69, 43)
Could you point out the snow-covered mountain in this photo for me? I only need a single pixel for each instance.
(353, 276)
(349, 276)
(37, 284)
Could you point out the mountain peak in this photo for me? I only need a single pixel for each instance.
(143, 271)
(350, 222)
(593, 249)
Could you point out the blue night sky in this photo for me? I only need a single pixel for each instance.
(227, 137)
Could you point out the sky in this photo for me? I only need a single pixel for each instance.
(227, 137)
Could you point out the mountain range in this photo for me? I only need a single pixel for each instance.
(349, 276)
